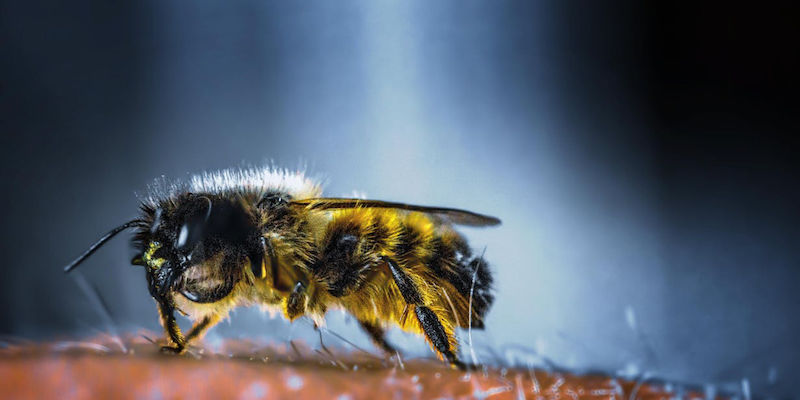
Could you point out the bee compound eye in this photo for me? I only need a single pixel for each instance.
(183, 234)
(195, 224)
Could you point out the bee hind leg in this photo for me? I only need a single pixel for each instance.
(437, 336)
(434, 331)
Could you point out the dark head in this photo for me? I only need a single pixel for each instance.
(194, 245)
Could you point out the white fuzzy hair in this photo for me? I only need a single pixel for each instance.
(238, 180)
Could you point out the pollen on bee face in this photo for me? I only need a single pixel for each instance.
(154, 263)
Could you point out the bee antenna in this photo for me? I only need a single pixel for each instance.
(100, 242)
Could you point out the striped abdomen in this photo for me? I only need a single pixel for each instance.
(434, 256)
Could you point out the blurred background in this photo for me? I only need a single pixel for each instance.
(638, 156)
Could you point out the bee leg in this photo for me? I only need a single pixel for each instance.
(199, 329)
(377, 335)
(296, 303)
(436, 335)
(428, 320)
(170, 324)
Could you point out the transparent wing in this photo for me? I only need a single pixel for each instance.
(452, 215)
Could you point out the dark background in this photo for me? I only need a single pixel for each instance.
(640, 156)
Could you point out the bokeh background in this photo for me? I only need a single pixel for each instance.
(637, 154)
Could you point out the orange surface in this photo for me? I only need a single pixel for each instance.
(100, 368)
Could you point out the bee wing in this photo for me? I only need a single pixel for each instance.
(452, 215)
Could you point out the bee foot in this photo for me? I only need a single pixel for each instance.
(461, 366)
(455, 363)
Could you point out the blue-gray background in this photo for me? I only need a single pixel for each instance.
(635, 154)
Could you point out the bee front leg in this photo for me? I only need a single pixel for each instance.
(167, 313)
(199, 329)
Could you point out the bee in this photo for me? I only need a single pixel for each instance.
(267, 237)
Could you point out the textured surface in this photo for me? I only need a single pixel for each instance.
(106, 367)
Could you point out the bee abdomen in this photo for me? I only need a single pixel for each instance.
(480, 289)
(451, 260)
(355, 240)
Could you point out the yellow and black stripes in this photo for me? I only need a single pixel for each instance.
(385, 264)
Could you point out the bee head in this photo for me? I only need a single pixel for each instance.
(194, 246)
